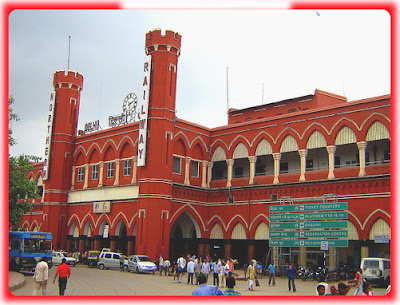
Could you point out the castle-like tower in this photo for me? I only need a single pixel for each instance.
(155, 177)
(67, 86)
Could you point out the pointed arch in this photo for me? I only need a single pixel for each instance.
(345, 136)
(240, 151)
(289, 144)
(316, 140)
(352, 231)
(218, 155)
(377, 131)
(380, 227)
(263, 148)
(238, 232)
(262, 231)
(216, 232)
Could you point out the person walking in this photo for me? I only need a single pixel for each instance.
(291, 275)
(167, 264)
(121, 262)
(271, 269)
(214, 268)
(181, 265)
(222, 274)
(161, 264)
(359, 281)
(206, 268)
(40, 277)
(205, 289)
(190, 271)
(63, 272)
(230, 264)
(230, 283)
(251, 270)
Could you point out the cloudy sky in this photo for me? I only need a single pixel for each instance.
(289, 53)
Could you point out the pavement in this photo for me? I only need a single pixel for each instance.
(15, 280)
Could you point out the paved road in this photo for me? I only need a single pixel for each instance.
(86, 281)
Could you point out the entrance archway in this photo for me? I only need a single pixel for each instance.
(184, 236)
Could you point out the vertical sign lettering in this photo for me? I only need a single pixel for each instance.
(49, 126)
(142, 112)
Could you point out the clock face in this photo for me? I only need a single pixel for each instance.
(129, 106)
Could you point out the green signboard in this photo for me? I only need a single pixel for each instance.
(308, 207)
(308, 242)
(308, 234)
(308, 216)
(326, 224)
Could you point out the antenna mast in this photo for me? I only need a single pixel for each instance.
(227, 94)
(69, 50)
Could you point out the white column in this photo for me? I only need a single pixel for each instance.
(187, 170)
(73, 179)
(204, 174)
(117, 163)
(303, 158)
(101, 173)
(331, 151)
(277, 158)
(252, 160)
(134, 170)
(230, 167)
(85, 185)
(362, 146)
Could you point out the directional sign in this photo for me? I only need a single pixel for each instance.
(334, 224)
(308, 234)
(308, 242)
(309, 207)
(308, 216)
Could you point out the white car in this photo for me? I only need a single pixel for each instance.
(58, 256)
(141, 263)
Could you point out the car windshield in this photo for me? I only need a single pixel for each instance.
(144, 259)
(65, 254)
(371, 264)
(93, 254)
(33, 245)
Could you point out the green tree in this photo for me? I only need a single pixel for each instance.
(19, 189)
(19, 186)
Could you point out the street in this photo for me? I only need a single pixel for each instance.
(86, 281)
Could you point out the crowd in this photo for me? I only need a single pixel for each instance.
(200, 269)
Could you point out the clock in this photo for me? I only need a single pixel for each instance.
(129, 106)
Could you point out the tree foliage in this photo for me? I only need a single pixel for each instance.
(19, 186)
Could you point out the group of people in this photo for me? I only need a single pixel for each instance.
(41, 276)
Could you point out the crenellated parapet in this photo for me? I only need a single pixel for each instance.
(68, 79)
(157, 42)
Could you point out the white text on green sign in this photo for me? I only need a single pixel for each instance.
(309, 207)
(307, 242)
(307, 216)
(335, 224)
(309, 234)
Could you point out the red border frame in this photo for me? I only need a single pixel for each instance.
(390, 7)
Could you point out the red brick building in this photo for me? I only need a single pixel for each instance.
(208, 190)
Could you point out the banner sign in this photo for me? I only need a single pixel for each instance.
(308, 216)
(142, 113)
(102, 207)
(309, 234)
(338, 224)
(310, 207)
(308, 243)
(49, 125)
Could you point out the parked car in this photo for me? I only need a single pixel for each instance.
(141, 263)
(93, 258)
(58, 256)
(376, 270)
(109, 260)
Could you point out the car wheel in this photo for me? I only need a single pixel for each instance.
(137, 270)
(125, 268)
(101, 266)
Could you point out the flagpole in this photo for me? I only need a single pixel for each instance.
(69, 50)
(227, 94)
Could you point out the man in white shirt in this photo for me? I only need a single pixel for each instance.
(190, 270)
(181, 265)
(167, 264)
(40, 277)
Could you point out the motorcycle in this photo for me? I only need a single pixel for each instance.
(306, 274)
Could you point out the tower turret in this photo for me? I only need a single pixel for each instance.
(156, 176)
(67, 86)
